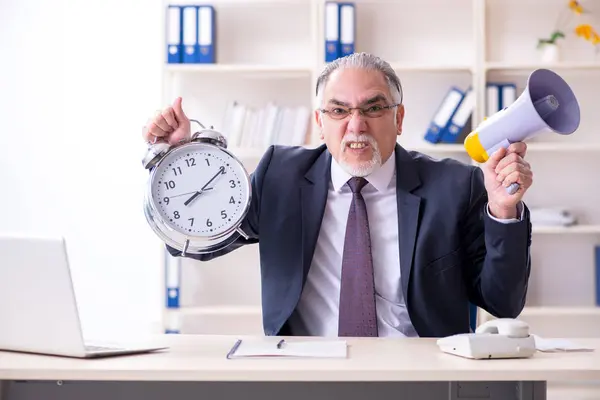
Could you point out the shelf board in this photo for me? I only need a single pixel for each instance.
(511, 66)
(216, 310)
(565, 230)
(537, 311)
(563, 147)
(410, 67)
(293, 70)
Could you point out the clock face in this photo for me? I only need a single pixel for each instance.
(200, 190)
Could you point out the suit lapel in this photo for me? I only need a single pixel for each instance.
(407, 179)
(313, 197)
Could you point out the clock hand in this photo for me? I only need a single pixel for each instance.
(188, 201)
(204, 188)
(221, 171)
(181, 194)
(186, 193)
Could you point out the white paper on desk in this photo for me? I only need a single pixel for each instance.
(556, 345)
(308, 349)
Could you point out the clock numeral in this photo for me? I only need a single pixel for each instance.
(222, 169)
(176, 215)
(191, 221)
(232, 183)
(170, 184)
(207, 162)
(166, 200)
(208, 223)
(231, 200)
(190, 162)
(177, 171)
(223, 214)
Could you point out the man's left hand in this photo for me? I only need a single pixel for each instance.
(504, 167)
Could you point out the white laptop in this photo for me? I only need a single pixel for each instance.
(38, 309)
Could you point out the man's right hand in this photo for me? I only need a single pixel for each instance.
(170, 125)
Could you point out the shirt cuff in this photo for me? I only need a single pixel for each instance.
(509, 220)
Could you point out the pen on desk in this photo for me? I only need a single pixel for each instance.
(280, 344)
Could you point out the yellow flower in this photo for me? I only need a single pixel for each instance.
(588, 33)
(583, 30)
(575, 7)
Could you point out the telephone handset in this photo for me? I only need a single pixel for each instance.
(505, 326)
(497, 338)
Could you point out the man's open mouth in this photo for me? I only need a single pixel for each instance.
(357, 145)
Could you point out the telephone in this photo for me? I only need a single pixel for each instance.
(498, 338)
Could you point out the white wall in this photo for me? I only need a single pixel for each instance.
(78, 80)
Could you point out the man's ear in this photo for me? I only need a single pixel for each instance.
(319, 122)
(399, 118)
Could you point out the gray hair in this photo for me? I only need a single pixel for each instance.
(365, 61)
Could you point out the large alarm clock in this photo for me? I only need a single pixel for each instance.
(198, 193)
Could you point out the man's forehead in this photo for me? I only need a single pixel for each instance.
(367, 98)
(347, 81)
(357, 77)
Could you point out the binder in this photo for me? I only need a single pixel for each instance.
(172, 323)
(206, 35)
(508, 94)
(174, 34)
(347, 28)
(493, 100)
(190, 34)
(443, 115)
(332, 31)
(172, 280)
(457, 124)
(499, 96)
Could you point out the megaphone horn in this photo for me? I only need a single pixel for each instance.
(546, 105)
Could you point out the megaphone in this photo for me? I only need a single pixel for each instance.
(546, 105)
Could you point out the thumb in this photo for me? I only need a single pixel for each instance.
(179, 114)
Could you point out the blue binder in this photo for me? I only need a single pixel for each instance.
(493, 102)
(459, 120)
(206, 35)
(347, 28)
(332, 31)
(172, 280)
(508, 94)
(499, 95)
(443, 115)
(174, 34)
(189, 28)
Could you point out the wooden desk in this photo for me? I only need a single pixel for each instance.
(375, 368)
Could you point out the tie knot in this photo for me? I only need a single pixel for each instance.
(356, 184)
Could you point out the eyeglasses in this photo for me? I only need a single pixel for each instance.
(374, 111)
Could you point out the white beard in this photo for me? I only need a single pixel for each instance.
(365, 168)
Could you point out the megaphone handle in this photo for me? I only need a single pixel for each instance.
(512, 189)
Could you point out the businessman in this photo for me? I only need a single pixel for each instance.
(360, 237)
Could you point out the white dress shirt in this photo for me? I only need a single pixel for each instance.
(317, 311)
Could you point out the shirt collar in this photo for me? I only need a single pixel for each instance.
(380, 178)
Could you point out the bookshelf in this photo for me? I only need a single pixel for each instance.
(273, 50)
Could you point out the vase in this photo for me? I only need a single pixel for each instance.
(549, 53)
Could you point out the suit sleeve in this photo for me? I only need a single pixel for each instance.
(250, 224)
(498, 255)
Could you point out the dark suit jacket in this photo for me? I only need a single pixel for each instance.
(451, 252)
